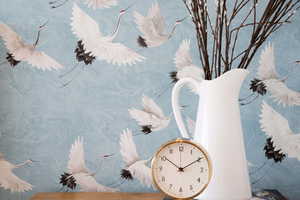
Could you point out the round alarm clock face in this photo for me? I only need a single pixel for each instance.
(181, 169)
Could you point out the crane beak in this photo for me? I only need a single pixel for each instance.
(181, 20)
(124, 10)
(34, 161)
(43, 25)
(129, 6)
(106, 155)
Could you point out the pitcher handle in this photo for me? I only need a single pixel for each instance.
(175, 103)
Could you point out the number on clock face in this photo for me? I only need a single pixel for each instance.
(181, 169)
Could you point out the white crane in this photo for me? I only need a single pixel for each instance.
(8, 180)
(79, 174)
(184, 65)
(19, 51)
(152, 27)
(101, 3)
(151, 117)
(102, 47)
(281, 139)
(268, 81)
(184, 68)
(90, 3)
(135, 167)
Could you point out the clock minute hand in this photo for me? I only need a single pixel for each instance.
(192, 163)
(172, 163)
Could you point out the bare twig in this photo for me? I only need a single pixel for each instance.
(221, 56)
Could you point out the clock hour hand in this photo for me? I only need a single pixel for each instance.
(198, 160)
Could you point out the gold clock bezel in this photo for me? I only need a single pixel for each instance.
(198, 146)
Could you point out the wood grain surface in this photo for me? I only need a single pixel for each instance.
(97, 196)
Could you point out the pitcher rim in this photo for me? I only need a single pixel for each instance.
(243, 71)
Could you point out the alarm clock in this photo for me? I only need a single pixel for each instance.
(181, 169)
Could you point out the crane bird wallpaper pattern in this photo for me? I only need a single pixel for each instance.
(87, 30)
(135, 167)
(151, 118)
(99, 132)
(79, 174)
(19, 51)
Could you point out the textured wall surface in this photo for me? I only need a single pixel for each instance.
(40, 120)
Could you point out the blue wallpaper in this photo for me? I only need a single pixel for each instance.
(40, 119)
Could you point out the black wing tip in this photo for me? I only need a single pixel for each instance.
(173, 76)
(146, 129)
(271, 153)
(142, 42)
(258, 86)
(126, 174)
(66, 179)
(11, 60)
(82, 55)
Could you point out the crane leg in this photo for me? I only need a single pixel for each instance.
(22, 164)
(258, 169)
(68, 82)
(253, 99)
(116, 184)
(247, 97)
(72, 69)
(162, 91)
(263, 176)
(57, 3)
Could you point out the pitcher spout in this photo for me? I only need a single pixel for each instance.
(235, 77)
(229, 82)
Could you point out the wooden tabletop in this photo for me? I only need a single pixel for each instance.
(97, 196)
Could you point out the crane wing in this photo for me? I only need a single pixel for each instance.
(11, 39)
(272, 123)
(146, 26)
(87, 30)
(100, 3)
(83, 26)
(9, 181)
(142, 173)
(88, 183)
(128, 148)
(76, 162)
(115, 53)
(157, 19)
(277, 127)
(182, 56)
(42, 61)
(143, 118)
(151, 107)
(281, 93)
(266, 68)
(193, 72)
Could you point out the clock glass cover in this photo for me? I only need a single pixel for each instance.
(181, 169)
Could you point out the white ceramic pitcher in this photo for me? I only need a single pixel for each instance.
(218, 129)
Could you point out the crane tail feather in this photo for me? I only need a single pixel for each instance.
(142, 42)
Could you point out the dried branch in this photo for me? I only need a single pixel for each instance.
(221, 55)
